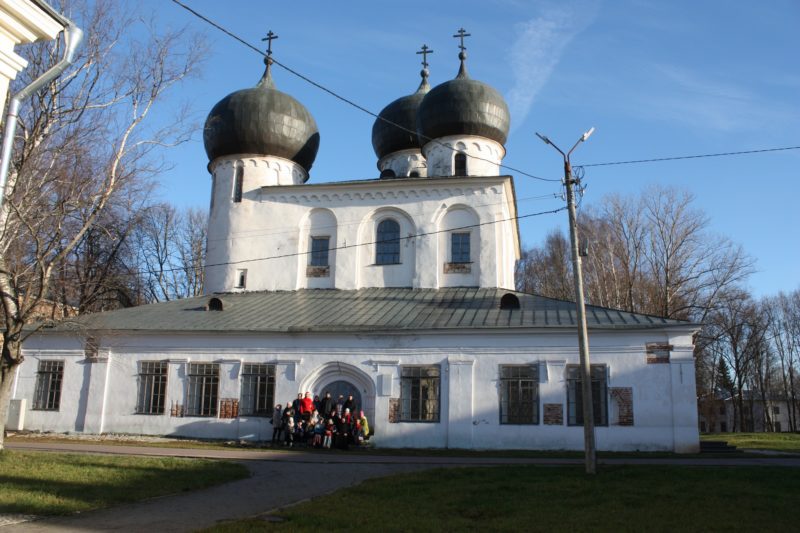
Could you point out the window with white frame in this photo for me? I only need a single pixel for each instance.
(459, 247)
(419, 393)
(152, 387)
(387, 243)
(203, 389)
(519, 394)
(258, 390)
(599, 377)
(320, 247)
(49, 376)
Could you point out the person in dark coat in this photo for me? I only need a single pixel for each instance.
(350, 403)
(326, 405)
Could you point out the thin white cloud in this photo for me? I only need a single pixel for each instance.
(703, 101)
(538, 48)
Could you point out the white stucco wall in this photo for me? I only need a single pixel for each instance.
(101, 396)
(268, 232)
(404, 162)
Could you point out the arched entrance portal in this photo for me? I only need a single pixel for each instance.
(344, 379)
(345, 388)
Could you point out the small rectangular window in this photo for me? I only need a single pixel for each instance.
(238, 184)
(419, 393)
(203, 393)
(47, 395)
(241, 278)
(519, 394)
(319, 251)
(575, 395)
(258, 390)
(152, 387)
(459, 248)
(776, 410)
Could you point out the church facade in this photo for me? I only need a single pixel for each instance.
(398, 290)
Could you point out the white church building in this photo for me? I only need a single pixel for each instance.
(399, 290)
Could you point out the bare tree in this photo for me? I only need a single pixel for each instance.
(783, 322)
(83, 140)
(547, 270)
(170, 247)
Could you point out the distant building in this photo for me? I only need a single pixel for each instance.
(720, 415)
(398, 290)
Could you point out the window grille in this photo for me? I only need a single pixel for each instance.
(203, 389)
(47, 395)
(575, 395)
(152, 387)
(258, 390)
(419, 393)
(388, 243)
(519, 394)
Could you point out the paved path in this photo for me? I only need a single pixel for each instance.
(281, 478)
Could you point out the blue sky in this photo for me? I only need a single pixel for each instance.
(655, 78)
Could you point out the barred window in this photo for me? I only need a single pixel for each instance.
(258, 390)
(419, 393)
(319, 251)
(459, 248)
(388, 243)
(519, 394)
(203, 389)
(152, 387)
(47, 395)
(575, 395)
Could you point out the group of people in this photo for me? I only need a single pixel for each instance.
(319, 422)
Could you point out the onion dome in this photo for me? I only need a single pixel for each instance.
(395, 128)
(264, 121)
(463, 106)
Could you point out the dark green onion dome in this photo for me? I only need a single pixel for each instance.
(263, 121)
(387, 137)
(463, 106)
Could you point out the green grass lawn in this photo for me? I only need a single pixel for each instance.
(780, 442)
(55, 483)
(537, 498)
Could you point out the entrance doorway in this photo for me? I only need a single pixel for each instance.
(345, 388)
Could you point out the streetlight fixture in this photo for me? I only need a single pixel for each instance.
(583, 336)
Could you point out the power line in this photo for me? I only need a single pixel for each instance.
(344, 99)
(699, 156)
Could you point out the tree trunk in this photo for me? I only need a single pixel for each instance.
(11, 359)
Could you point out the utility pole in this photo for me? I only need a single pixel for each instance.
(583, 336)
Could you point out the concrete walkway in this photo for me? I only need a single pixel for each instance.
(281, 478)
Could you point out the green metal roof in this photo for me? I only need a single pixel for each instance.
(365, 310)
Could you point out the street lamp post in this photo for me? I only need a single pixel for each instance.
(583, 340)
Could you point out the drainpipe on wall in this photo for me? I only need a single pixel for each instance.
(73, 36)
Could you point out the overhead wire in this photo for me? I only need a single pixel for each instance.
(347, 100)
(697, 156)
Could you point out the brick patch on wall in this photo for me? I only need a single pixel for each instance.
(457, 268)
(394, 410)
(657, 352)
(176, 409)
(318, 271)
(228, 408)
(553, 414)
(623, 396)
